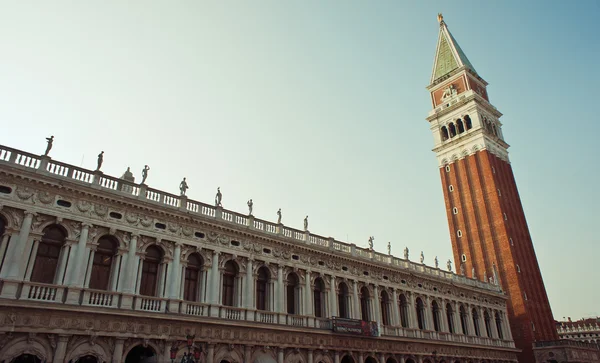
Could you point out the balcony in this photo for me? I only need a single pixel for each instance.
(116, 301)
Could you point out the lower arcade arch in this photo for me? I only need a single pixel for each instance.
(141, 354)
(347, 359)
(370, 359)
(86, 359)
(26, 358)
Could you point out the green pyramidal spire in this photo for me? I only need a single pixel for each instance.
(449, 56)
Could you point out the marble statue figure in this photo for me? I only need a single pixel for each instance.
(371, 239)
(49, 146)
(100, 160)
(279, 216)
(218, 198)
(183, 187)
(389, 248)
(145, 174)
(422, 257)
(449, 265)
(250, 205)
(306, 223)
(406, 253)
(435, 260)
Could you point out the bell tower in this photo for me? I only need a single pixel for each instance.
(488, 229)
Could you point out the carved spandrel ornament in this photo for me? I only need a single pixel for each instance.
(24, 192)
(187, 231)
(38, 221)
(83, 206)
(172, 227)
(100, 210)
(132, 218)
(45, 197)
(145, 221)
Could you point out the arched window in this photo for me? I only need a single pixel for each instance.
(488, 324)
(343, 301)
(319, 298)
(421, 314)
(463, 320)
(102, 264)
(476, 321)
(435, 310)
(460, 126)
(365, 304)
(499, 326)
(403, 311)
(191, 283)
(229, 281)
(150, 271)
(468, 123)
(48, 254)
(444, 133)
(450, 317)
(452, 129)
(293, 294)
(385, 308)
(262, 284)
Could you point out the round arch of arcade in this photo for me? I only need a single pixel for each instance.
(22, 346)
(228, 354)
(140, 343)
(84, 348)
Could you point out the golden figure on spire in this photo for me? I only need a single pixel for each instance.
(440, 18)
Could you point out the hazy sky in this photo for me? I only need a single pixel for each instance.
(318, 108)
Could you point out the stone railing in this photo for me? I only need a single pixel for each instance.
(56, 294)
(97, 179)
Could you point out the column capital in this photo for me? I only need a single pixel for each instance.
(86, 225)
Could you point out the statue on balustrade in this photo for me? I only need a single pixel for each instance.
(183, 187)
(473, 276)
(371, 239)
(389, 248)
(145, 174)
(462, 269)
(100, 160)
(279, 216)
(406, 253)
(50, 140)
(435, 260)
(218, 198)
(250, 205)
(422, 258)
(306, 223)
(449, 265)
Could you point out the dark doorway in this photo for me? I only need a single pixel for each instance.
(370, 360)
(141, 354)
(27, 358)
(87, 359)
(347, 359)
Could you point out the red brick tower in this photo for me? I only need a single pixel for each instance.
(489, 233)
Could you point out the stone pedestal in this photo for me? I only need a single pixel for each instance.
(127, 301)
(10, 289)
(173, 306)
(73, 296)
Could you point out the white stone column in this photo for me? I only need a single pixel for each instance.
(4, 244)
(76, 279)
(210, 355)
(428, 314)
(310, 356)
(395, 310)
(247, 354)
(377, 307)
(355, 303)
(61, 348)
(457, 321)
(494, 327)
(470, 320)
(215, 279)
(482, 328)
(131, 266)
(174, 273)
(280, 290)
(249, 295)
(336, 357)
(115, 268)
(308, 293)
(138, 278)
(412, 312)
(31, 262)
(332, 296)
(88, 271)
(117, 356)
(279, 355)
(15, 256)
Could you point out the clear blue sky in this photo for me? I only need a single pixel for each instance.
(318, 108)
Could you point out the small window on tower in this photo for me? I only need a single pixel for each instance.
(455, 210)
(505, 217)
(459, 233)
(447, 168)
(518, 269)
(499, 193)
(493, 170)
(463, 258)
(525, 295)
(511, 242)
(451, 188)
(468, 123)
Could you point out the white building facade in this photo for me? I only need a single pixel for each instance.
(100, 269)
